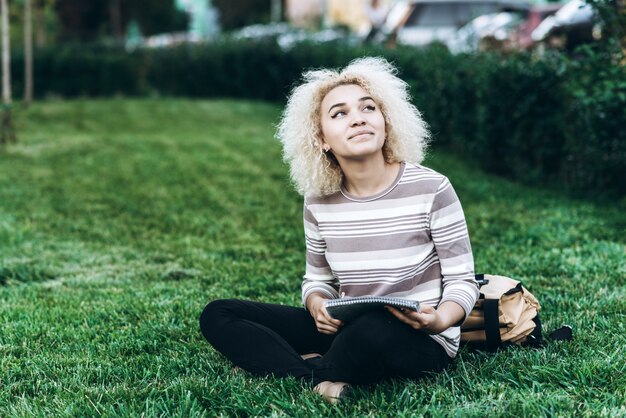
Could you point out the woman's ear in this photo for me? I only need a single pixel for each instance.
(323, 145)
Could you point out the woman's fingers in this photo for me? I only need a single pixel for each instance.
(323, 321)
(326, 327)
(329, 319)
(402, 317)
(417, 320)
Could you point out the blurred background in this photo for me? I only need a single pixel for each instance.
(460, 25)
(533, 90)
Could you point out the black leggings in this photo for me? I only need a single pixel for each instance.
(267, 339)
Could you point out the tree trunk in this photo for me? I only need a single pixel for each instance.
(115, 14)
(7, 127)
(277, 10)
(6, 54)
(40, 23)
(28, 54)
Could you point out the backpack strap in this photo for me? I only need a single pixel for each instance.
(562, 334)
(492, 324)
(480, 279)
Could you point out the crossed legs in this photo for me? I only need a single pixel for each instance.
(268, 339)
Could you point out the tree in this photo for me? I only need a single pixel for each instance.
(7, 128)
(45, 21)
(40, 18)
(82, 20)
(234, 14)
(115, 16)
(91, 20)
(154, 16)
(28, 53)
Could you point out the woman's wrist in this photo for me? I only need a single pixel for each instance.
(313, 301)
(448, 314)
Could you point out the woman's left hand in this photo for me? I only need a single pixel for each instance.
(430, 319)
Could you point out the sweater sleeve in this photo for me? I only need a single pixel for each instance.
(452, 243)
(318, 276)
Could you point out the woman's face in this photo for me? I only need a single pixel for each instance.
(352, 124)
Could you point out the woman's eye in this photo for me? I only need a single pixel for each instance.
(340, 113)
(370, 108)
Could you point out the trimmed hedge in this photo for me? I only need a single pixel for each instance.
(541, 121)
(595, 124)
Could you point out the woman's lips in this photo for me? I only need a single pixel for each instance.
(360, 133)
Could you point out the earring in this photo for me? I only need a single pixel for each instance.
(326, 148)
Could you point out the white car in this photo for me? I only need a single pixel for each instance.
(576, 13)
(494, 25)
(422, 22)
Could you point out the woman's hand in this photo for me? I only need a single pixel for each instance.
(430, 319)
(324, 322)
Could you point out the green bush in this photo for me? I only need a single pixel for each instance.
(542, 121)
(595, 148)
(522, 127)
(74, 70)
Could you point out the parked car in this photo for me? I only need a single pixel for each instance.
(261, 32)
(420, 22)
(331, 35)
(534, 16)
(502, 31)
(287, 36)
(486, 32)
(572, 25)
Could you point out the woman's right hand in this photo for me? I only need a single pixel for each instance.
(324, 322)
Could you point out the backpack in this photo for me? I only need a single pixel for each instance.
(505, 313)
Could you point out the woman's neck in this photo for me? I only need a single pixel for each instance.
(368, 178)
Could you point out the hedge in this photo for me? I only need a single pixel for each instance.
(552, 121)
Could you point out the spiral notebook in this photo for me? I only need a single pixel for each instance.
(348, 308)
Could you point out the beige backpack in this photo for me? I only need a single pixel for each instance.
(505, 313)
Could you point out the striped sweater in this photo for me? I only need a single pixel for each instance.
(408, 241)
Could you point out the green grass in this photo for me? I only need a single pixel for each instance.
(121, 219)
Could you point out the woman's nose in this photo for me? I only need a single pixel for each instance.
(357, 119)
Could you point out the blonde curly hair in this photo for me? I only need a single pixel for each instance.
(316, 173)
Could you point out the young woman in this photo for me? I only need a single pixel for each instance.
(375, 223)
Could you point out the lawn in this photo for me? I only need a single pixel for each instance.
(120, 219)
